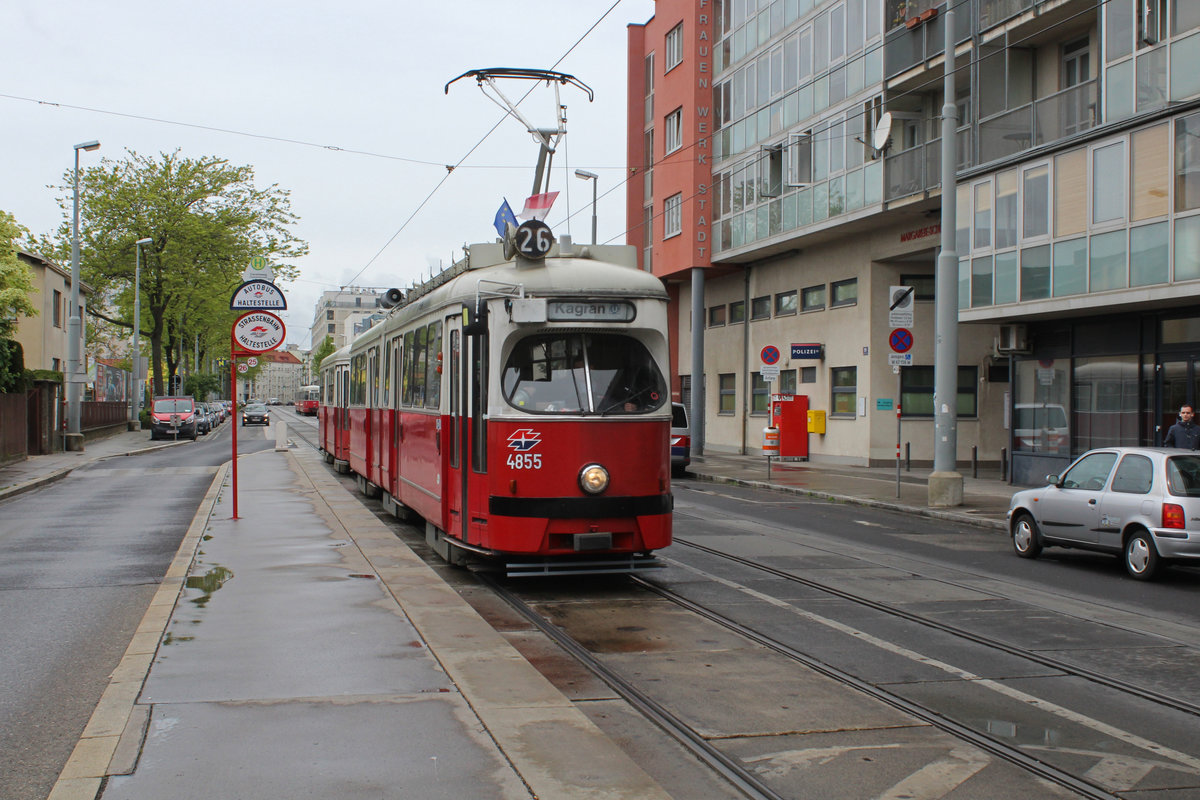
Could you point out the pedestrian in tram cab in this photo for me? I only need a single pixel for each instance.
(1185, 433)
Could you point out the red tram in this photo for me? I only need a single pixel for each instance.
(519, 406)
(308, 398)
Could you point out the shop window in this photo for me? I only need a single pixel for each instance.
(1041, 399)
(1105, 392)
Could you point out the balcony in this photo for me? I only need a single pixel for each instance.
(1049, 119)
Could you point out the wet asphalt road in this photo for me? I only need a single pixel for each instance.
(80, 560)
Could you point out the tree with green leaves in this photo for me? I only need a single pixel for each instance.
(206, 219)
(16, 279)
(16, 286)
(323, 350)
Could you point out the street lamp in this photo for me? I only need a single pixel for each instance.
(75, 381)
(595, 179)
(136, 403)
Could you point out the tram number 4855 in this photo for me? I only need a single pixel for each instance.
(525, 460)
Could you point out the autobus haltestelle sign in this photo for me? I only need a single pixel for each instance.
(259, 331)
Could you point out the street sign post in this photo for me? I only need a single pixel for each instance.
(254, 333)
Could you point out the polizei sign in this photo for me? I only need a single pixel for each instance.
(258, 331)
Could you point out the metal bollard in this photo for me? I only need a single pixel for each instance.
(908, 456)
(280, 436)
(974, 461)
(1004, 463)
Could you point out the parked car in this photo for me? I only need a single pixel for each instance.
(204, 420)
(256, 414)
(173, 418)
(1142, 503)
(681, 440)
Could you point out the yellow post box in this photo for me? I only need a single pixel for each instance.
(816, 420)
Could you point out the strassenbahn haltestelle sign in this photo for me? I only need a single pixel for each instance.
(258, 331)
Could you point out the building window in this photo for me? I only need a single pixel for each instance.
(1108, 183)
(728, 390)
(685, 390)
(760, 394)
(785, 303)
(57, 310)
(674, 47)
(737, 312)
(843, 391)
(787, 381)
(330, 328)
(1187, 163)
(673, 127)
(916, 391)
(716, 316)
(329, 313)
(924, 286)
(673, 216)
(760, 308)
(808, 374)
(845, 293)
(813, 298)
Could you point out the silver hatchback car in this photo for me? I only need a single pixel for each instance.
(1142, 503)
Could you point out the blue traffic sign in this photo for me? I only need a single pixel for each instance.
(901, 340)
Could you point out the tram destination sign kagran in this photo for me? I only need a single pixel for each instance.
(590, 311)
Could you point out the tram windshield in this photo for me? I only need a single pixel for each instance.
(583, 373)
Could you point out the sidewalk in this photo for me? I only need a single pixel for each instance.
(305, 651)
(985, 499)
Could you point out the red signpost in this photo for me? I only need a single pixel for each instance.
(254, 332)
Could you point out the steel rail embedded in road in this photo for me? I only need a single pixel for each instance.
(1065, 667)
(982, 741)
(728, 768)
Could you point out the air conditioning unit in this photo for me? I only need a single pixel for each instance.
(1013, 339)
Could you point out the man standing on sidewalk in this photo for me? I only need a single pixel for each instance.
(1185, 433)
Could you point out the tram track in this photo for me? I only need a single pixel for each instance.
(1035, 657)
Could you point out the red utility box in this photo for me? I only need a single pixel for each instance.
(789, 413)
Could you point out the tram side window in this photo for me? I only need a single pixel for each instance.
(358, 380)
(406, 371)
(583, 374)
(433, 363)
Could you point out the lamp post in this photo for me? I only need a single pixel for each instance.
(135, 404)
(595, 179)
(75, 381)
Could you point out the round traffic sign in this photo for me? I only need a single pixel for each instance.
(770, 354)
(243, 368)
(259, 331)
(901, 340)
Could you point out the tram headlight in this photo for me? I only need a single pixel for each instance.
(593, 479)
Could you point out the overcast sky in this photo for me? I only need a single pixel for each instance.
(289, 87)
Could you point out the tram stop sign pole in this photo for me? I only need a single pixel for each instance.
(254, 333)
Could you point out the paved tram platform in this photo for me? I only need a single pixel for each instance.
(304, 651)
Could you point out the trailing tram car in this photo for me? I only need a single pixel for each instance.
(333, 416)
(519, 405)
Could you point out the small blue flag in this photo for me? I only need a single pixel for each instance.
(504, 215)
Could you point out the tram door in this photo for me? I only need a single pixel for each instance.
(467, 435)
(1179, 383)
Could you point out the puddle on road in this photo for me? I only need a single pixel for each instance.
(208, 583)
